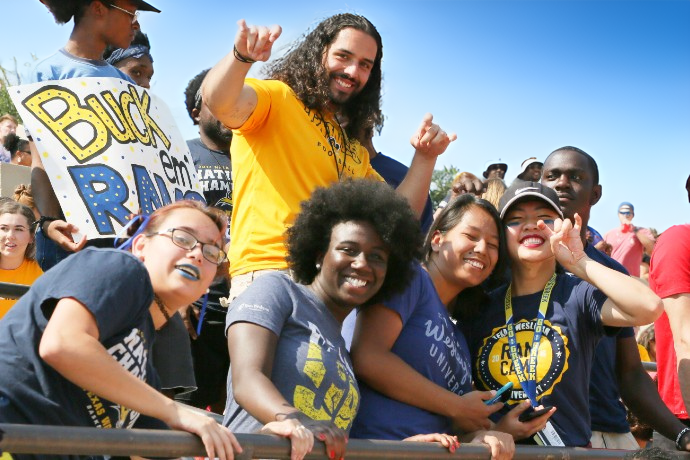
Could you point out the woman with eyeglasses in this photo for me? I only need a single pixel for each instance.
(76, 347)
(351, 245)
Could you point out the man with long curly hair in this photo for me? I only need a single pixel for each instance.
(299, 130)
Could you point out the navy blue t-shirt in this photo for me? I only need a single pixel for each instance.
(115, 287)
(606, 409)
(393, 172)
(571, 331)
(432, 345)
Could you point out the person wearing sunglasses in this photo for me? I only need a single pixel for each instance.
(97, 24)
(628, 242)
(19, 150)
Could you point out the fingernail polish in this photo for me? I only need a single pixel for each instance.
(332, 454)
(322, 437)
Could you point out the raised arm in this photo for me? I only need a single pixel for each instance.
(71, 344)
(377, 329)
(223, 90)
(429, 142)
(630, 302)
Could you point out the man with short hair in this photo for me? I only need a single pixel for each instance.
(530, 170)
(495, 169)
(299, 130)
(97, 24)
(211, 155)
(629, 242)
(616, 369)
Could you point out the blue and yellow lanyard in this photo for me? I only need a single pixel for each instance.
(529, 381)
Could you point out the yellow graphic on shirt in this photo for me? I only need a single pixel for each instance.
(495, 367)
(335, 398)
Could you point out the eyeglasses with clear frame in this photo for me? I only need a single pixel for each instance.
(135, 15)
(185, 240)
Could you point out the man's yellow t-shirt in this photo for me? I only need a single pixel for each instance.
(26, 273)
(279, 156)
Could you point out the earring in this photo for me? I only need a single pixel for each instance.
(318, 266)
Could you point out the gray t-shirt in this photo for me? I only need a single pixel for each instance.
(312, 369)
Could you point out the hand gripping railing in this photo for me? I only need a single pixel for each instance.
(60, 440)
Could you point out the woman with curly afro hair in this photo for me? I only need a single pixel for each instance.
(351, 245)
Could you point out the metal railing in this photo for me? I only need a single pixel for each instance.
(40, 439)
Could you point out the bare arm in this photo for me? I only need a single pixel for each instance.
(640, 393)
(646, 241)
(252, 349)
(429, 142)
(223, 90)
(70, 344)
(377, 329)
(630, 302)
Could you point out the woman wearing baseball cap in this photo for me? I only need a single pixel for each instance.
(540, 331)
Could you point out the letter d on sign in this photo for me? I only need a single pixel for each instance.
(66, 114)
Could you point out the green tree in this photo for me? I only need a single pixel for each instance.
(9, 78)
(441, 180)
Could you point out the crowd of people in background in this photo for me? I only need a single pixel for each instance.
(317, 295)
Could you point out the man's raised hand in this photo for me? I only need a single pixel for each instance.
(256, 42)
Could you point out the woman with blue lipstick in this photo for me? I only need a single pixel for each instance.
(76, 347)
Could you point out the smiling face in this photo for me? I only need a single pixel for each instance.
(15, 237)
(526, 242)
(179, 276)
(352, 269)
(466, 254)
(348, 62)
(570, 175)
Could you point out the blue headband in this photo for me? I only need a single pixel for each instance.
(135, 51)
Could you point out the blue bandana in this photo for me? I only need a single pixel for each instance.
(135, 51)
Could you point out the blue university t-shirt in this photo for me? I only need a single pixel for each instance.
(571, 331)
(433, 346)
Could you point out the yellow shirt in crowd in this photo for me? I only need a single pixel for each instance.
(26, 273)
(279, 156)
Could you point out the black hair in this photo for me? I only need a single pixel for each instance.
(64, 10)
(14, 143)
(364, 200)
(140, 38)
(592, 163)
(302, 70)
(468, 303)
(190, 99)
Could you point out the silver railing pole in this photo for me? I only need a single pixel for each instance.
(40, 439)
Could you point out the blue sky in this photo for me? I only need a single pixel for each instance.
(512, 78)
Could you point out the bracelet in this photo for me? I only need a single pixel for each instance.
(42, 220)
(680, 436)
(241, 58)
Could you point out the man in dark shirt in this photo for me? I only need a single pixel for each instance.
(211, 155)
(616, 368)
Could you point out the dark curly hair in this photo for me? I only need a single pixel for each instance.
(190, 93)
(64, 10)
(14, 143)
(356, 200)
(302, 70)
(468, 303)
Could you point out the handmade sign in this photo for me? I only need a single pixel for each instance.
(110, 149)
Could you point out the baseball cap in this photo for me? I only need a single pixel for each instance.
(625, 203)
(143, 6)
(526, 164)
(520, 189)
(494, 162)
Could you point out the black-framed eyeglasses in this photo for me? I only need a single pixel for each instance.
(135, 15)
(185, 240)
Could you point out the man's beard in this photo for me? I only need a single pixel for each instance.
(217, 132)
(343, 98)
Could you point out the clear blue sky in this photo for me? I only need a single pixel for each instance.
(512, 78)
